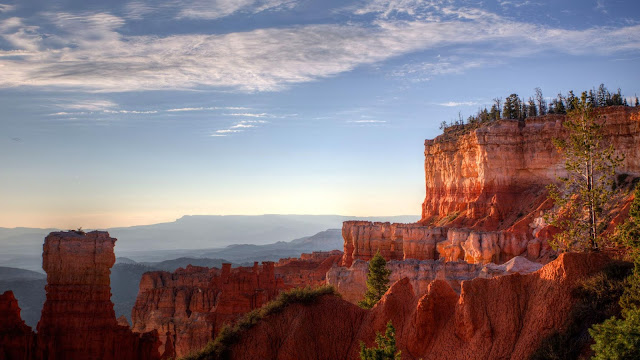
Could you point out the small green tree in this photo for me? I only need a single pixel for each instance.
(590, 166)
(619, 339)
(377, 281)
(386, 346)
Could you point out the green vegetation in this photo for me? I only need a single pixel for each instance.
(590, 166)
(227, 336)
(596, 299)
(386, 346)
(619, 338)
(377, 281)
(515, 107)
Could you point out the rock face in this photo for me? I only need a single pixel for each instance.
(189, 306)
(17, 340)
(78, 321)
(351, 282)
(485, 192)
(498, 318)
(484, 179)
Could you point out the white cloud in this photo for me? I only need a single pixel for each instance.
(368, 121)
(458, 103)
(204, 9)
(239, 127)
(208, 108)
(451, 65)
(89, 105)
(248, 114)
(130, 111)
(89, 53)
(5, 8)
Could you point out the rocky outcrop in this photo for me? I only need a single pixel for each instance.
(17, 340)
(351, 282)
(189, 306)
(486, 192)
(78, 321)
(489, 177)
(498, 318)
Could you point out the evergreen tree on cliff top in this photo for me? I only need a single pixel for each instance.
(377, 281)
(590, 165)
(386, 349)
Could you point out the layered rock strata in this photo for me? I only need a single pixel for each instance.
(78, 321)
(486, 192)
(498, 318)
(189, 306)
(17, 340)
(485, 178)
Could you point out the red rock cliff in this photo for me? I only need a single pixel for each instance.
(78, 321)
(189, 306)
(498, 318)
(17, 340)
(484, 179)
(485, 192)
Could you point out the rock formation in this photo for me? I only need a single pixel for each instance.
(189, 306)
(17, 340)
(485, 192)
(351, 282)
(78, 321)
(498, 318)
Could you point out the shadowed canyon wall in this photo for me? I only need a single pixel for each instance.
(189, 306)
(499, 318)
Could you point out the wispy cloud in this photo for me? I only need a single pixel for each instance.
(458, 103)
(600, 6)
(5, 8)
(206, 9)
(89, 105)
(207, 108)
(260, 115)
(203, 9)
(425, 71)
(367, 121)
(130, 111)
(88, 51)
(239, 127)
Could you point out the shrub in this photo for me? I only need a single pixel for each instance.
(386, 346)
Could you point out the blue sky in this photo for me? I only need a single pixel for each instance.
(132, 112)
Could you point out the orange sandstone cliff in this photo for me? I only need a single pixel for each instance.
(189, 306)
(499, 318)
(78, 321)
(485, 192)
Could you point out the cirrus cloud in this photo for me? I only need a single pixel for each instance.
(89, 52)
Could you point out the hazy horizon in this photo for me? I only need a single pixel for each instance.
(91, 228)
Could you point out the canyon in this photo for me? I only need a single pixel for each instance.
(499, 318)
(474, 278)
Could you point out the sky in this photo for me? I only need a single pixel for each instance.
(126, 112)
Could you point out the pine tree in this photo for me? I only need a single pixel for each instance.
(590, 166)
(377, 281)
(386, 349)
(542, 104)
